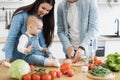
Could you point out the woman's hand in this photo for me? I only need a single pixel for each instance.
(70, 52)
(78, 54)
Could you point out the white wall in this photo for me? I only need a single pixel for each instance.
(107, 16)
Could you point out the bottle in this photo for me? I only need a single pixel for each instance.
(91, 54)
(84, 68)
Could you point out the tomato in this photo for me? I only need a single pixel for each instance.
(70, 73)
(41, 74)
(27, 77)
(35, 76)
(53, 74)
(59, 74)
(95, 58)
(46, 77)
(91, 66)
(98, 62)
(65, 67)
(32, 66)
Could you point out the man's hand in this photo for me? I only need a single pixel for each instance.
(78, 54)
(70, 52)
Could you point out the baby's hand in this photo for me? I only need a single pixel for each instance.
(29, 49)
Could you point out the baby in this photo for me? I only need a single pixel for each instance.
(30, 46)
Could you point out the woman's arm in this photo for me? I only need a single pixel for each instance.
(13, 35)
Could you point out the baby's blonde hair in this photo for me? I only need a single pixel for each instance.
(34, 21)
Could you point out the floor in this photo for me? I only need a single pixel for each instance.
(55, 48)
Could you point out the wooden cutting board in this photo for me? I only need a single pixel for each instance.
(100, 78)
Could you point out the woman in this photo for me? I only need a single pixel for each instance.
(40, 8)
(77, 22)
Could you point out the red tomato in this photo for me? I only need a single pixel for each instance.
(91, 66)
(46, 77)
(70, 73)
(32, 66)
(98, 62)
(53, 74)
(41, 74)
(35, 77)
(65, 67)
(27, 77)
(95, 58)
(59, 74)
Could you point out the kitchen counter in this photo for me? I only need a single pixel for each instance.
(101, 38)
(3, 40)
(56, 39)
(78, 75)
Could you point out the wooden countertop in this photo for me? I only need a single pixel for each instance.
(78, 75)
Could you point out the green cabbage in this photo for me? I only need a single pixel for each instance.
(18, 69)
(113, 61)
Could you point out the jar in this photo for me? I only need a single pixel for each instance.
(84, 68)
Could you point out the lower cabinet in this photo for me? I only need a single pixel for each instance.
(106, 47)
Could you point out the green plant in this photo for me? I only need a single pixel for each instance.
(109, 3)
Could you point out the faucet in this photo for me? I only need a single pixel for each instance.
(117, 21)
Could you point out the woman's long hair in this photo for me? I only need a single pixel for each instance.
(48, 20)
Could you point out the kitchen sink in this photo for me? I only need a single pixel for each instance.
(111, 36)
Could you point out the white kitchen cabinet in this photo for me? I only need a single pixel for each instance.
(111, 45)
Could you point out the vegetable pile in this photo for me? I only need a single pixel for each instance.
(113, 61)
(18, 69)
(100, 71)
(38, 73)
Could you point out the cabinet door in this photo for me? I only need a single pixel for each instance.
(111, 47)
